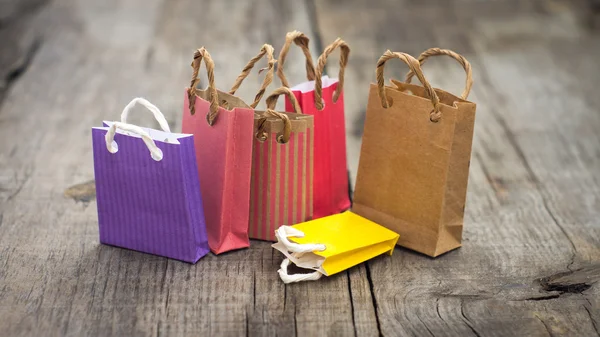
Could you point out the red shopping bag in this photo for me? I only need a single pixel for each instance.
(323, 98)
(223, 125)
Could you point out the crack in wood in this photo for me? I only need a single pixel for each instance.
(351, 301)
(295, 322)
(21, 185)
(373, 298)
(437, 309)
(22, 66)
(247, 325)
(425, 325)
(466, 319)
(594, 323)
(574, 282)
(545, 326)
(254, 291)
(164, 279)
(541, 298)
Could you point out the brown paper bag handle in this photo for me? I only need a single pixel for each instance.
(274, 96)
(415, 67)
(199, 55)
(459, 58)
(344, 53)
(300, 40)
(267, 50)
(284, 137)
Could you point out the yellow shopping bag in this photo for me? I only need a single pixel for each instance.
(331, 244)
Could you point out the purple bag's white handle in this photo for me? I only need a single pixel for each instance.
(112, 146)
(160, 118)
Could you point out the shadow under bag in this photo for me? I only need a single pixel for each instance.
(414, 161)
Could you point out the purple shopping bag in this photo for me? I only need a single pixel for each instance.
(148, 191)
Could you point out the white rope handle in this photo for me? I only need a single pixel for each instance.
(160, 118)
(282, 234)
(112, 146)
(287, 278)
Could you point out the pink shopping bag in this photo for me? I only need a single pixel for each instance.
(222, 125)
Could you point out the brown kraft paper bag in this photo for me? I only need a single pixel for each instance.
(414, 162)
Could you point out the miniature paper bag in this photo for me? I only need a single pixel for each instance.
(281, 187)
(147, 189)
(414, 161)
(223, 126)
(323, 98)
(331, 244)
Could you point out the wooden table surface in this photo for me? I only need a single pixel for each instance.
(531, 252)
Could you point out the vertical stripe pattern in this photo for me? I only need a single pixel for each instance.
(281, 189)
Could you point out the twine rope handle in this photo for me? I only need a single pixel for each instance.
(274, 96)
(282, 234)
(155, 152)
(344, 53)
(271, 101)
(300, 40)
(199, 55)
(267, 50)
(160, 118)
(459, 58)
(414, 66)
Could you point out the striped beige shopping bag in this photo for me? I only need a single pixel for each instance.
(282, 168)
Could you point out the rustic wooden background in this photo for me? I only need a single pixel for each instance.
(531, 251)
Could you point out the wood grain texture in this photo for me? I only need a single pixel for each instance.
(532, 210)
(529, 264)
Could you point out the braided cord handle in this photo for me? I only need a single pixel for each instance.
(284, 137)
(414, 66)
(459, 58)
(344, 53)
(300, 40)
(199, 55)
(267, 50)
(274, 96)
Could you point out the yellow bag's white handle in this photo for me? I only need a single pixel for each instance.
(282, 234)
(160, 118)
(112, 146)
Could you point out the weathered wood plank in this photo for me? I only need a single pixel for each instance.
(529, 265)
(20, 39)
(98, 56)
(533, 199)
